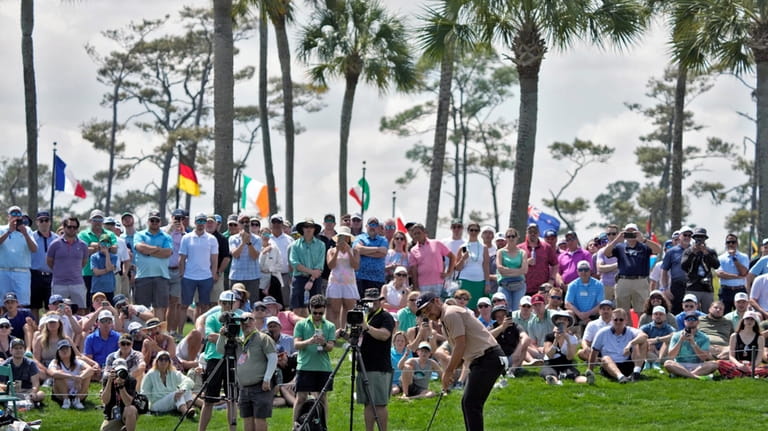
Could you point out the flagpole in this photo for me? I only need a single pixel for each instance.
(362, 201)
(239, 190)
(53, 180)
(394, 199)
(178, 174)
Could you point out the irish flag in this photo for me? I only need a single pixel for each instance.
(255, 196)
(188, 180)
(65, 180)
(360, 191)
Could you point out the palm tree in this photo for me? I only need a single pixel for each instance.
(30, 100)
(731, 35)
(527, 27)
(357, 39)
(223, 106)
(442, 36)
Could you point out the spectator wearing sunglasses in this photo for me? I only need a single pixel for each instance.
(41, 274)
(472, 264)
(245, 248)
(66, 257)
(619, 349)
(134, 360)
(16, 248)
(734, 267)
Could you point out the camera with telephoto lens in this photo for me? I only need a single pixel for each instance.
(121, 373)
(231, 323)
(355, 319)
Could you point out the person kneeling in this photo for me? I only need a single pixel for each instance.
(167, 388)
(417, 373)
(117, 396)
(560, 351)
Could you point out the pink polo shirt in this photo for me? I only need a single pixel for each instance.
(427, 258)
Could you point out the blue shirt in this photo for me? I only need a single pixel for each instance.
(611, 344)
(727, 265)
(680, 318)
(686, 353)
(129, 243)
(585, 296)
(671, 263)
(100, 348)
(105, 282)
(14, 251)
(761, 267)
(371, 268)
(633, 261)
(39, 257)
(654, 331)
(152, 266)
(244, 267)
(17, 323)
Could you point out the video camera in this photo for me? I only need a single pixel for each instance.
(355, 319)
(232, 323)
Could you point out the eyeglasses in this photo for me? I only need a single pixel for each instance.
(163, 359)
(105, 321)
(373, 225)
(584, 270)
(390, 227)
(618, 319)
(318, 313)
(260, 309)
(689, 305)
(457, 226)
(401, 275)
(126, 343)
(397, 238)
(483, 305)
(463, 298)
(499, 300)
(43, 220)
(5, 326)
(691, 319)
(473, 230)
(178, 218)
(555, 297)
(255, 223)
(232, 224)
(730, 242)
(154, 220)
(411, 300)
(526, 306)
(15, 214)
(657, 297)
(687, 235)
(200, 221)
(247, 319)
(570, 238)
(70, 226)
(511, 236)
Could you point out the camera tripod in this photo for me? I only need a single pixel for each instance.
(357, 359)
(230, 385)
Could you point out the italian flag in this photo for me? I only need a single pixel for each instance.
(188, 180)
(255, 196)
(359, 191)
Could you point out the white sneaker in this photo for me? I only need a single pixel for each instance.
(66, 404)
(78, 404)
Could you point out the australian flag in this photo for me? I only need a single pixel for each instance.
(543, 220)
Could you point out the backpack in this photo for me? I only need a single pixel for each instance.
(317, 421)
(141, 402)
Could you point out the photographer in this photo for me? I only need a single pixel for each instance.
(377, 330)
(117, 395)
(256, 364)
(697, 262)
(690, 350)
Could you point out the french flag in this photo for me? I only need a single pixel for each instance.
(64, 180)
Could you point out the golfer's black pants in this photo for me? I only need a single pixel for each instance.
(483, 373)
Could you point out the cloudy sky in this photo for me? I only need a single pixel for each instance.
(582, 94)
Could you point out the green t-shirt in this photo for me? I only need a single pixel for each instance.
(406, 319)
(213, 326)
(309, 358)
(87, 236)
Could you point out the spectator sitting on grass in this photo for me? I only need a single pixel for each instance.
(659, 331)
(746, 346)
(71, 377)
(511, 337)
(128, 313)
(396, 353)
(117, 395)
(416, 372)
(606, 314)
(25, 371)
(22, 324)
(133, 359)
(102, 342)
(157, 340)
(622, 348)
(690, 303)
(167, 388)
(741, 304)
(45, 345)
(560, 351)
(689, 349)
(483, 310)
(656, 298)
(718, 329)
(90, 322)
(539, 325)
(68, 318)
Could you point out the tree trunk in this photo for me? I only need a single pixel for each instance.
(441, 135)
(266, 142)
(526, 146)
(284, 55)
(30, 101)
(676, 177)
(112, 139)
(456, 175)
(761, 150)
(223, 106)
(346, 122)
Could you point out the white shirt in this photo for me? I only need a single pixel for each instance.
(282, 243)
(198, 249)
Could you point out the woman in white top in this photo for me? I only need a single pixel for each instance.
(342, 292)
(71, 376)
(271, 283)
(472, 264)
(167, 388)
(397, 255)
(396, 292)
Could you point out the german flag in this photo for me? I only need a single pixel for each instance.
(188, 180)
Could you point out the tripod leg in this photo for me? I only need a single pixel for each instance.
(322, 395)
(197, 397)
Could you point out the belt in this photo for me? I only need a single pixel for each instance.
(732, 287)
(632, 277)
(15, 269)
(173, 268)
(41, 272)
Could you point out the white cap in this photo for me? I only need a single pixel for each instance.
(227, 295)
(631, 226)
(273, 319)
(690, 297)
(686, 229)
(741, 296)
(487, 229)
(484, 300)
(106, 314)
(499, 295)
(525, 300)
(583, 264)
(659, 309)
(400, 269)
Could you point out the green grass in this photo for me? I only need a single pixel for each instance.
(657, 402)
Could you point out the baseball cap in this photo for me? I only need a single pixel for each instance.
(276, 218)
(690, 297)
(10, 296)
(14, 209)
(498, 295)
(201, 216)
(227, 295)
(55, 298)
(607, 302)
(105, 238)
(525, 300)
(631, 226)
(583, 264)
(765, 241)
(423, 301)
(4, 320)
(484, 300)
(134, 327)
(659, 309)
(356, 216)
(96, 214)
(537, 299)
(691, 315)
(741, 296)
(110, 220)
(685, 229)
(18, 342)
(401, 270)
(549, 232)
(63, 343)
(43, 214)
(126, 214)
(153, 214)
(106, 314)
(274, 319)
(499, 236)
(425, 345)
(178, 212)
(121, 364)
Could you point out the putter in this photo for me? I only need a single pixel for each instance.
(434, 413)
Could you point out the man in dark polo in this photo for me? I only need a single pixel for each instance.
(633, 252)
